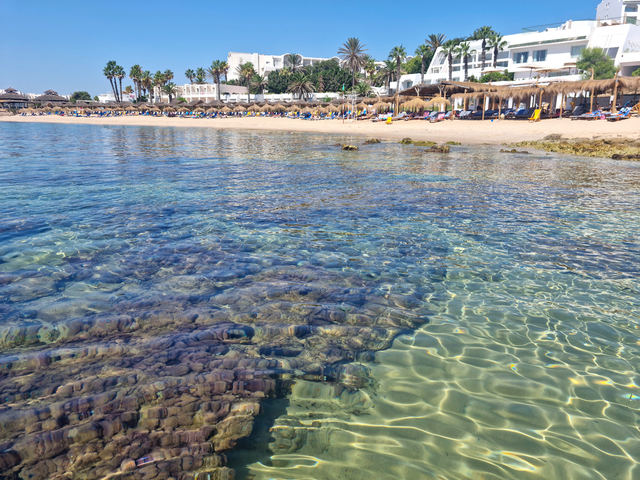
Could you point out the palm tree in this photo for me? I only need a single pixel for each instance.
(498, 44)
(259, 83)
(224, 69)
(215, 73)
(170, 89)
(398, 54)
(387, 73)
(146, 82)
(300, 86)
(483, 33)
(363, 89)
(352, 56)
(423, 51)
(168, 75)
(158, 81)
(294, 60)
(435, 41)
(370, 66)
(285, 72)
(109, 72)
(201, 75)
(246, 73)
(128, 90)
(450, 49)
(134, 74)
(190, 74)
(463, 51)
(119, 73)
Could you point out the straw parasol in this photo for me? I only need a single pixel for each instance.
(211, 110)
(381, 105)
(267, 108)
(199, 110)
(240, 109)
(253, 108)
(279, 108)
(225, 109)
(131, 108)
(438, 101)
(169, 109)
(182, 110)
(416, 103)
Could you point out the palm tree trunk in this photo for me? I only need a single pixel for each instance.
(218, 85)
(120, 89)
(495, 57)
(248, 90)
(115, 95)
(450, 67)
(466, 69)
(484, 52)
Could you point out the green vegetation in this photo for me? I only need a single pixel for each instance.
(114, 72)
(598, 60)
(636, 73)
(352, 55)
(496, 77)
(75, 96)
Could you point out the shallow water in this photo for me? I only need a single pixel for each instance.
(144, 259)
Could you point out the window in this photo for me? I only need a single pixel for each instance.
(457, 60)
(522, 57)
(613, 52)
(577, 51)
(539, 55)
(502, 64)
(631, 8)
(456, 69)
(488, 56)
(632, 20)
(503, 55)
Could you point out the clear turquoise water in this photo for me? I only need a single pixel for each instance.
(520, 273)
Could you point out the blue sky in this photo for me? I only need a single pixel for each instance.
(64, 45)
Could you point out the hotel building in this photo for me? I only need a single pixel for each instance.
(548, 51)
(263, 64)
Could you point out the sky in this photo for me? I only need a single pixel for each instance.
(64, 45)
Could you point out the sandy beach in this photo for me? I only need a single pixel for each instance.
(464, 131)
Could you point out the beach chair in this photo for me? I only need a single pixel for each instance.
(438, 118)
(623, 114)
(536, 115)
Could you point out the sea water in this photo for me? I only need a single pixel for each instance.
(471, 315)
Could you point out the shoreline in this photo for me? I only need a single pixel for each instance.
(469, 132)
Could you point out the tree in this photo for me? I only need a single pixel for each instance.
(128, 90)
(135, 73)
(215, 72)
(464, 51)
(75, 96)
(496, 77)
(597, 58)
(146, 82)
(190, 74)
(398, 54)
(109, 72)
(119, 73)
(158, 80)
(425, 54)
(386, 74)
(300, 86)
(320, 84)
(259, 83)
(498, 44)
(96, 98)
(293, 60)
(246, 73)
(170, 89)
(201, 75)
(369, 66)
(352, 55)
(636, 73)
(224, 70)
(363, 89)
(435, 41)
(450, 49)
(483, 33)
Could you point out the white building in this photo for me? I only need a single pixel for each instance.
(531, 51)
(203, 91)
(263, 64)
(109, 97)
(621, 11)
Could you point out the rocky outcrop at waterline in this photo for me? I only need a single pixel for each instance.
(161, 386)
(615, 148)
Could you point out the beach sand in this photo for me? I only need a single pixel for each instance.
(465, 131)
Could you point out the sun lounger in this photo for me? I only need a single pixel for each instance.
(623, 114)
(536, 116)
(438, 118)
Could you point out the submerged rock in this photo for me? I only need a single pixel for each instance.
(425, 144)
(453, 143)
(372, 141)
(440, 149)
(406, 141)
(513, 150)
(615, 148)
(350, 148)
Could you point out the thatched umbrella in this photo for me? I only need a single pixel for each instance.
(381, 105)
(155, 110)
(333, 108)
(225, 109)
(279, 108)
(239, 109)
(267, 108)
(169, 109)
(199, 110)
(438, 101)
(415, 104)
(131, 109)
(211, 110)
(183, 110)
(253, 108)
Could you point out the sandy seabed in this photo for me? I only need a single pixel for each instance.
(464, 131)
